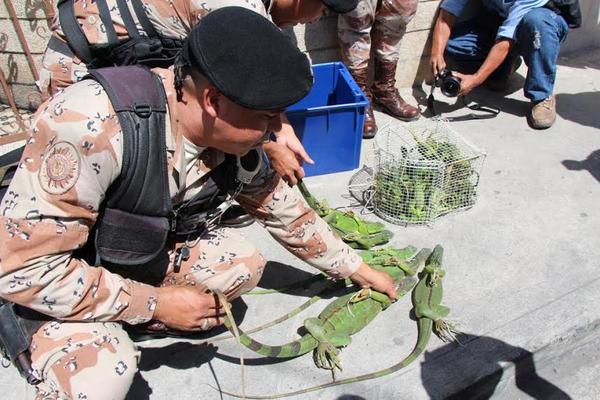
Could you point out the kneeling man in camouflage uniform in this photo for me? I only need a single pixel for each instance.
(89, 242)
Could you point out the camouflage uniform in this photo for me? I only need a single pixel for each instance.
(71, 158)
(172, 19)
(367, 28)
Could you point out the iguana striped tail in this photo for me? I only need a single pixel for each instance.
(425, 326)
(288, 350)
(285, 317)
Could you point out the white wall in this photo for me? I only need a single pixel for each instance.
(589, 33)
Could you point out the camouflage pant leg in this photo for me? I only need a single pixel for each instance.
(83, 360)
(58, 71)
(390, 26)
(354, 34)
(364, 27)
(222, 260)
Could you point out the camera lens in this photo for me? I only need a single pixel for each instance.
(451, 86)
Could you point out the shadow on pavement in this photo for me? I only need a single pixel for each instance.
(581, 108)
(584, 58)
(480, 360)
(279, 275)
(590, 164)
(285, 278)
(181, 355)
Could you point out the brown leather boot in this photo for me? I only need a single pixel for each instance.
(386, 95)
(369, 127)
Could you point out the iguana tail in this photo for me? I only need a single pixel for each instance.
(285, 317)
(295, 285)
(424, 327)
(310, 199)
(291, 349)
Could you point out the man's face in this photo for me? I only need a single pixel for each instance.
(237, 129)
(292, 12)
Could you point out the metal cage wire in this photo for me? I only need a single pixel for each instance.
(423, 170)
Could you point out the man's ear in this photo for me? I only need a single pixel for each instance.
(211, 100)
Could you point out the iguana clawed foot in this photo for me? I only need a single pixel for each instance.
(326, 357)
(446, 330)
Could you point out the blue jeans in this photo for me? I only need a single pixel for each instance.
(537, 40)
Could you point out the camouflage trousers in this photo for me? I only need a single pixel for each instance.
(367, 28)
(82, 360)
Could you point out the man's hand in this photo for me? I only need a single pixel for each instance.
(287, 137)
(367, 277)
(188, 308)
(437, 63)
(287, 154)
(467, 82)
(284, 162)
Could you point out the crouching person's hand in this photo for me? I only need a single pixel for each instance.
(188, 308)
(367, 277)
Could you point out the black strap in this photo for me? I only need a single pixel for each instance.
(144, 20)
(138, 204)
(73, 32)
(138, 97)
(379, 3)
(59, 46)
(111, 33)
(128, 20)
(488, 112)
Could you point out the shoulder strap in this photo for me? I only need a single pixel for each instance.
(107, 21)
(128, 19)
(143, 18)
(138, 97)
(73, 32)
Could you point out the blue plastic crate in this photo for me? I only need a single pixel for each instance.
(329, 120)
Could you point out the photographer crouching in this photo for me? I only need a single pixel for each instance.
(487, 49)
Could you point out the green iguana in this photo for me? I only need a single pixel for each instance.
(356, 232)
(339, 320)
(378, 259)
(430, 314)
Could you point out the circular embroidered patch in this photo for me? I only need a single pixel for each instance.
(60, 168)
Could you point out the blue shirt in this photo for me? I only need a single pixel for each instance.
(511, 10)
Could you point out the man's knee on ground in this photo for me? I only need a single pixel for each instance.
(102, 368)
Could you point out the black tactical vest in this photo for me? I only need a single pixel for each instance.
(137, 216)
(151, 49)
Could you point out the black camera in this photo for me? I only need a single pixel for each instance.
(448, 83)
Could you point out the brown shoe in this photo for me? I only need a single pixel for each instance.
(543, 113)
(370, 126)
(386, 95)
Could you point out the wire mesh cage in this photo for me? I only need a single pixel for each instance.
(424, 170)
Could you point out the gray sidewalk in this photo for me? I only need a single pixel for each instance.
(523, 279)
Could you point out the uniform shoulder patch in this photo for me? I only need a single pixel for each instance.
(60, 168)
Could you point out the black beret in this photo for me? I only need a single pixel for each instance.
(341, 6)
(248, 59)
